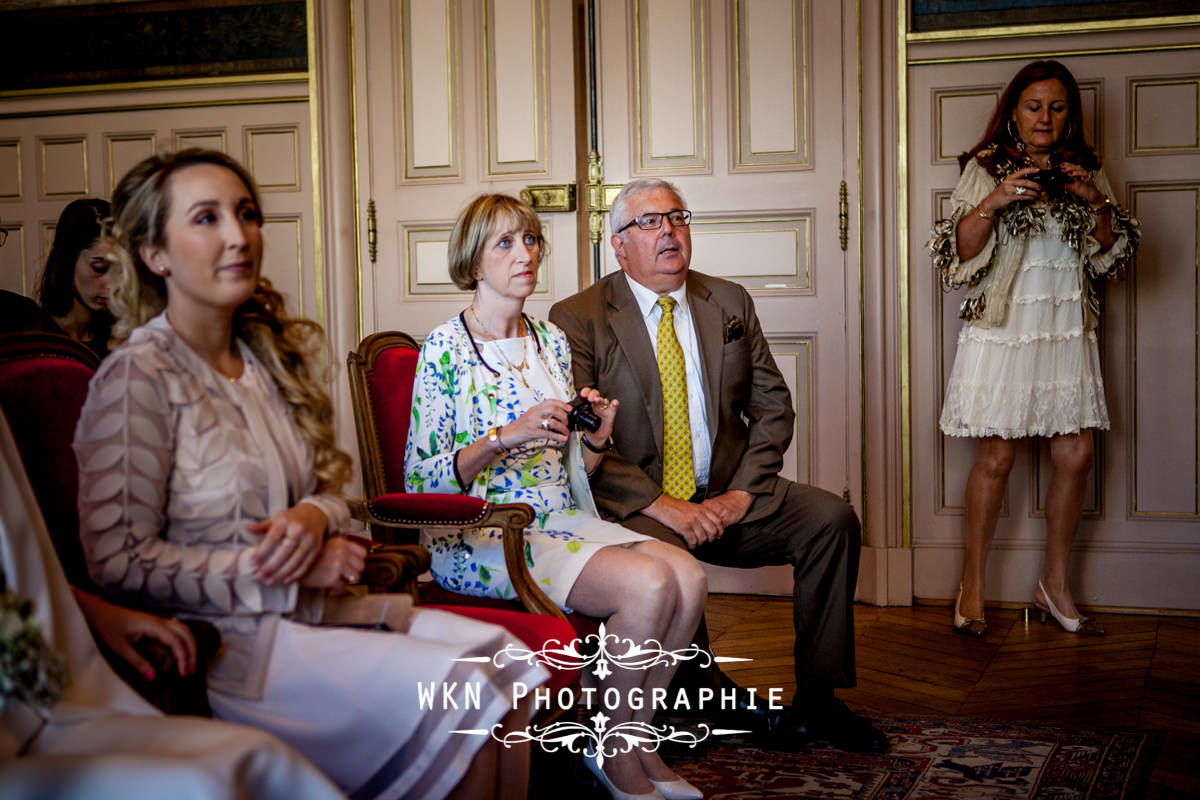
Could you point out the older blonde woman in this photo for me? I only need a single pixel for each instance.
(490, 412)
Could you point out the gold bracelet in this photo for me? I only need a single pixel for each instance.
(493, 435)
(979, 210)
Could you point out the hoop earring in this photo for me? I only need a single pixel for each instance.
(1067, 133)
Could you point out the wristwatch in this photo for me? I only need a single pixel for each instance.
(603, 448)
(493, 435)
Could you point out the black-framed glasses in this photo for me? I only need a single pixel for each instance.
(652, 220)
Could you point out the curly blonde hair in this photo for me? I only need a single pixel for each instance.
(293, 350)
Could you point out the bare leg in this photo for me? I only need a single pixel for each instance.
(692, 592)
(985, 494)
(1071, 456)
(480, 780)
(638, 593)
(497, 771)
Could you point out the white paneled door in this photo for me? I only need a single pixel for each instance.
(739, 103)
(462, 98)
(48, 161)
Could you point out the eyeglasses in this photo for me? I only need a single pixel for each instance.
(652, 220)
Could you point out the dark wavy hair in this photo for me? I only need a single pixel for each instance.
(79, 226)
(998, 144)
(293, 349)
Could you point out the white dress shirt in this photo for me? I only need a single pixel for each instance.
(685, 332)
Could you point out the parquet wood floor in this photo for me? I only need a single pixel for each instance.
(1144, 674)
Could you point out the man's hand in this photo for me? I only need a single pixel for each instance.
(695, 522)
(730, 507)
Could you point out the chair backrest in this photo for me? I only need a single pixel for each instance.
(381, 373)
(43, 383)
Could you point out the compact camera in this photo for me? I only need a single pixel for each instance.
(582, 417)
(1053, 181)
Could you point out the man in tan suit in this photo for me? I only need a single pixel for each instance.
(733, 508)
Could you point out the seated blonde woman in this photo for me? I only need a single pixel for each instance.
(491, 404)
(210, 487)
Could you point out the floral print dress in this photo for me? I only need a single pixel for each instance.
(458, 395)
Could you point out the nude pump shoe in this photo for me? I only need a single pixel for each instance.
(975, 628)
(1085, 626)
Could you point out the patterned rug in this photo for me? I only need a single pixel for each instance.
(932, 758)
(935, 757)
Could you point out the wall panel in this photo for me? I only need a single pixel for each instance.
(671, 87)
(770, 83)
(1165, 308)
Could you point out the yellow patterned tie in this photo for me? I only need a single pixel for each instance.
(679, 478)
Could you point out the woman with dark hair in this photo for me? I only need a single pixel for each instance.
(1034, 226)
(74, 285)
(210, 486)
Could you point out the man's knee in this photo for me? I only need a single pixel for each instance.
(821, 520)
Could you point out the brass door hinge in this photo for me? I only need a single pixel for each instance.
(599, 196)
(843, 215)
(372, 249)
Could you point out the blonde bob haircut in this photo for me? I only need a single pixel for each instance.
(481, 219)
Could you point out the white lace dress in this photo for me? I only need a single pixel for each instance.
(1037, 374)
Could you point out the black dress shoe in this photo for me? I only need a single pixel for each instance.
(752, 717)
(831, 721)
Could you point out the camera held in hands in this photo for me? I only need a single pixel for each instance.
(1053, 181)
(582, 417)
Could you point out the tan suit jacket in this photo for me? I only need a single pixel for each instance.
(749, 408)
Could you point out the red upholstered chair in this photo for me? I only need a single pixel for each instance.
(43, 383)
(381, 373)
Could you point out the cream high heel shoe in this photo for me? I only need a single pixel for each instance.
(678, 789)
(1085, 626)
(976, 628)
(617, 794)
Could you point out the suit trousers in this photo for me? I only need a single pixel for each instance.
(818, 533)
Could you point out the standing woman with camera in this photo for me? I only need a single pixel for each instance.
(492, 417)
(1035, 225)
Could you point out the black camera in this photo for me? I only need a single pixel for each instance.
(1053, 181)
(582, 417)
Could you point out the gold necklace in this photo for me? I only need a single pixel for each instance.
(517, 370)
(488, 330)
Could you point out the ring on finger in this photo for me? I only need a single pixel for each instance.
(545, 424)
(1020, 190)
(604, 405)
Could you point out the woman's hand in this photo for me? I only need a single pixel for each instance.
(1016, 188)
(1080, 184)
(547, 421)
(120, 629)
(605, 409)
(339, 564)
(291, 542)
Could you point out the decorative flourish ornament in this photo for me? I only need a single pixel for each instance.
(557, 655)
(603, 742)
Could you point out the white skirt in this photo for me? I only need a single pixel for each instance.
(348, 700)
(1039, 373)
